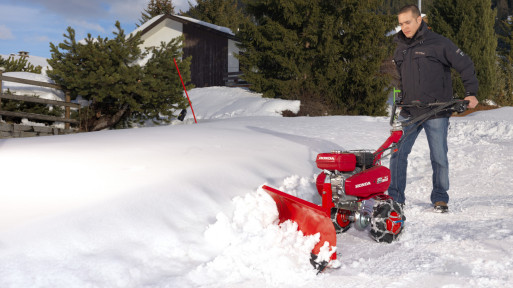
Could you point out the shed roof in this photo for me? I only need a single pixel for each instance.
(220, 30)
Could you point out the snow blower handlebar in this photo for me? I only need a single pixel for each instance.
(395, 136)
(393, 141)
(458, 106)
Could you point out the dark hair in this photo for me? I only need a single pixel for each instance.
(413, 8)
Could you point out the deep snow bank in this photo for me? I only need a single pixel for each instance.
(223, 102)
(178, 206)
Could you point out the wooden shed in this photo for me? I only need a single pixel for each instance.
(212, 47)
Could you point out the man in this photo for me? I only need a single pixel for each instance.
(424, 60)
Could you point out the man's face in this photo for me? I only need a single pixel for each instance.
(409, 24)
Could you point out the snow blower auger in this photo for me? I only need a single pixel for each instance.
(352, 187)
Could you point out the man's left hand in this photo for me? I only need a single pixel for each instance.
(472, 101)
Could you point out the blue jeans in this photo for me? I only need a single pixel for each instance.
(436, 132)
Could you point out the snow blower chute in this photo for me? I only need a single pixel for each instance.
(352, 187)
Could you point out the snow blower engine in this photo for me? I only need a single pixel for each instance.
(352, 187)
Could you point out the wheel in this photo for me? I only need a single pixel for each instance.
(387, 221)
(340, 219)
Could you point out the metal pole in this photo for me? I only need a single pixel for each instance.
(420, 6)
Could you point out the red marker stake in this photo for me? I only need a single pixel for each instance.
(190, 104)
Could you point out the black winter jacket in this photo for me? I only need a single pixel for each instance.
(424, 64)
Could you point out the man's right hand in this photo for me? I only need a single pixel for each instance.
(472, 101)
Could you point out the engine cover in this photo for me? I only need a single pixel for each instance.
(319, 182)
(344, 162)
(369, 182)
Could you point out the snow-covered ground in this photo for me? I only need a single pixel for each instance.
(180, 205)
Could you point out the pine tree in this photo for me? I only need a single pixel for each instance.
(155, 8)
(226, 13)
(105, 72)
(161, 83)
(19, 65)
(470, 25)
(325, 53)
(504, 10)
(505, 80)
(393, 6)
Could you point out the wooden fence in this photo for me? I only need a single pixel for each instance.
(233, 79)
(15, 130)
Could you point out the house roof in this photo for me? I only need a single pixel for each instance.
(220, 30)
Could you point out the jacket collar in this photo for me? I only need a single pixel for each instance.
(418, 37)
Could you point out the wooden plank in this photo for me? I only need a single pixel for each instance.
(21, 128)
(209, 53)
(38, 100)
(67, 113)
(31, 82)
(233, 78)
(66, 131)
(4, 127)
(43, 129)
(37, 117)
(28, 134)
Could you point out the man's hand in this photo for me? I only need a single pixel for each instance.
(472, 101)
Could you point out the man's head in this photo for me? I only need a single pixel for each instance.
(409, 20)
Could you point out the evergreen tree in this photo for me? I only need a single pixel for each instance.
(504, 10)
(104, 71)
(325, 53)
(393, 6)
(226, 13)
(161, 82)
(470, 25)
(19, 65)
(155, 8)
(505, 73)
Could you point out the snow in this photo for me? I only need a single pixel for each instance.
(221, 103)
(209, 25)
(26, 89)
(34, 60)
(203, 23)
(181, 205)
(146, 25)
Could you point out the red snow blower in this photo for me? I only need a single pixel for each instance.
(352, 187)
